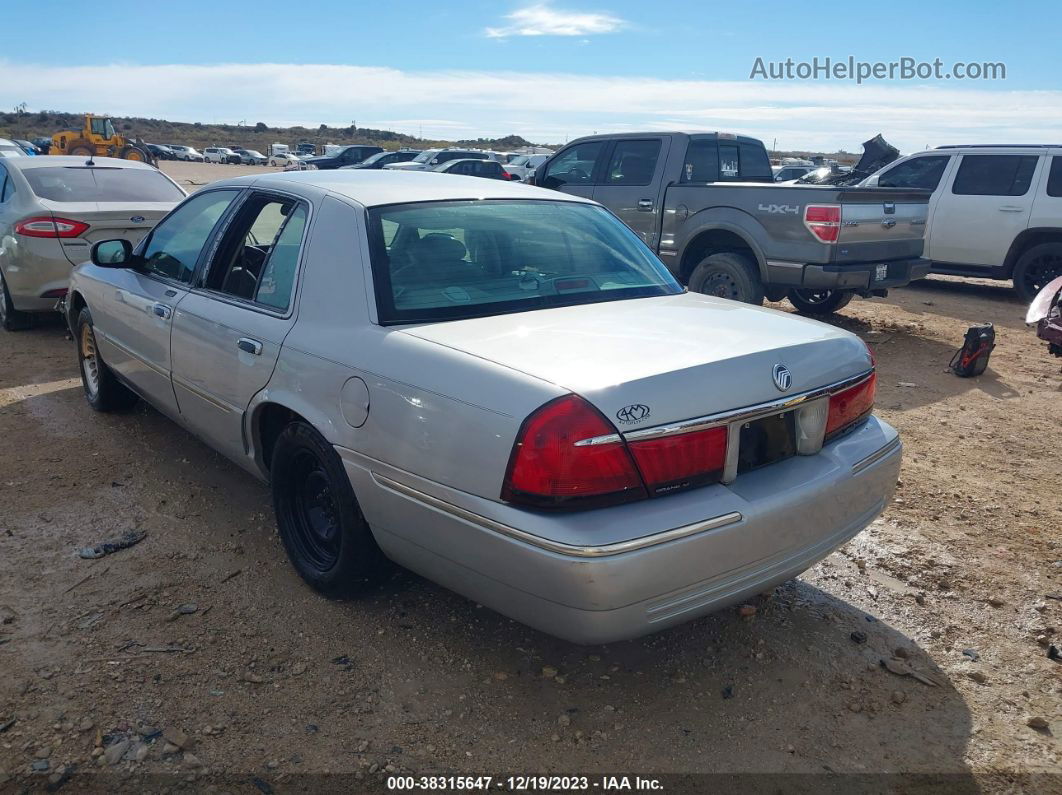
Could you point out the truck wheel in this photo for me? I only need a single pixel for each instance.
(820, 302)
(81, 149)
(728, 275)
(320, 523)
(1035, 268)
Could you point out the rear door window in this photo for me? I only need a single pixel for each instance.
(101, 184)
(994, 175)
(702, 161)
(574, 166)
(1054, 179)
(918, 172)
(753, 163)
(633, 162)
(258, 254)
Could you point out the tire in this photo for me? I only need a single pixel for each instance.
(820, 302)
(134, 153)
(10, 318)
(81, 149)
(728, 275)
(1035, 268)
(103, 391)
(323, 530)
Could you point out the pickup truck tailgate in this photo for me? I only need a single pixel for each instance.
(869, 217)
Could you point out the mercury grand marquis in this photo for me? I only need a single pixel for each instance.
(494, 385)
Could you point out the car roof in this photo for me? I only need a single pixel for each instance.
(373, 188)
(54, 161)
(991, 149)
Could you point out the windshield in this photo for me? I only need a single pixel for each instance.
(815, 177)
(11, 151)
(99, 184)
(459, 259)
(519, 160)
(426, 155)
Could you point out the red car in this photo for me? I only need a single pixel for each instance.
(1046, 312)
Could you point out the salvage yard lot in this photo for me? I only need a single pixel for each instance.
(268, 680)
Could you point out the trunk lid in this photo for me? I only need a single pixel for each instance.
(679, 357)
(106, 220)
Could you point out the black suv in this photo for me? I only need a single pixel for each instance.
(347, 156)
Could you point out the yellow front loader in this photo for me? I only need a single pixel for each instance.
(98, 137)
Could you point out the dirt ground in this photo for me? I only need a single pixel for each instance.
(267, 686)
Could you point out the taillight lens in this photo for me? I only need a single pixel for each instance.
(851, 405)
(45, 226)
(823, 221)
(506, 175)
(548, 468)
(681, 461)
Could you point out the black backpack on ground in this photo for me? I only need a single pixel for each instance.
(972, 358)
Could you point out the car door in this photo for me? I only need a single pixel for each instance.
(575, 169)
(228, 330)
(135, 314)
(986, 206)
(628, 186)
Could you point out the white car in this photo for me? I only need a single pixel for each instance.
(995, 213)
(220, 154)
(523, 165)
(430, 158)
(10, 149)
(284, 159)
(188, 153)
(497, 386)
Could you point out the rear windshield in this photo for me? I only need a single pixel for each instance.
(460, 259)
(101, 184)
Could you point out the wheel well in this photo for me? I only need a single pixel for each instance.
(270, 420)
(77, 303)
(714, 241)
(1026, 240)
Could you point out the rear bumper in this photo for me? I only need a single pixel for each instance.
(857, 276)
(672, 559)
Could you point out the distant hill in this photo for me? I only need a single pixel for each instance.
(257, 136)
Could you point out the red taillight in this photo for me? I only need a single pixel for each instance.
(506, 174)
(44, 226)
(681, 461)
(850, 405)
(823, 221)
(548, 468)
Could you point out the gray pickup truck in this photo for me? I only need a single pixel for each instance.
(707, 204)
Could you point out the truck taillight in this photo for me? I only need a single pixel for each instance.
(548, 468)
(851, 405)
(46, 226)
(823, 221)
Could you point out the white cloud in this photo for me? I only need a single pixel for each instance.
(543, 107)
(542, 19)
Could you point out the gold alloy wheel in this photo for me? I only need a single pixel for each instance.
(89, 362)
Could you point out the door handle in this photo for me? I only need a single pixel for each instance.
(162, 310)
(645, 204)
(248, 345)
(1010, 208)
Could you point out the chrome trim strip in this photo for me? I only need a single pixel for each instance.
(612, 438)
(572, 550)
(876, 456)
(744, 414)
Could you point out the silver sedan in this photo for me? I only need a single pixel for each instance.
(494, 385)
(52, 209)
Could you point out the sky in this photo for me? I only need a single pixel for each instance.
(548, 71)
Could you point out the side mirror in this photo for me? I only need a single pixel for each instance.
(112, 254)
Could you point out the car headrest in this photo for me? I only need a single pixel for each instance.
(441, 247)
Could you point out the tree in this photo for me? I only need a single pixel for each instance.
(260, 127)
